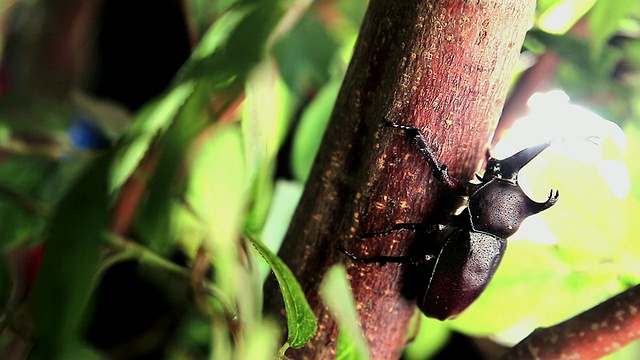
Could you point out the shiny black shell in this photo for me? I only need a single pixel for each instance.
(463, 268)
(500, 206)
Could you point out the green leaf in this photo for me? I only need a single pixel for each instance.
(260, 198)
(346, 348)
(37, 166)
(234, 47)
(201, 13)
(579, 74)
(604, 21)
(265, 123)
(576, 51)
(432, 337)
(155, 220)
(285, 201)
(262, 345)
(301, 321)
(336, 294)
(150, 122)
(562, 15)
(265, 120)
(36, 117)
(632, 131)
(218, 33)
(217, 192)
(80, 350)
(315, 48)
(308, 136)
(206, 86)
(21, 209)
(29, 187)
(69, 262)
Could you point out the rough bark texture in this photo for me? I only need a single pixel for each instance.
(441, 65)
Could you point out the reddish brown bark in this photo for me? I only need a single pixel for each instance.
(590, 335)
(441, 65)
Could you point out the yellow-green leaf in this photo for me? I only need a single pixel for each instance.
(301, 321)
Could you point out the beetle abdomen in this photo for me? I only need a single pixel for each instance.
(464, 267)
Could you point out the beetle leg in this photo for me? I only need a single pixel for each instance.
(382, 260)
(400, 226)
(440, 170)
(419, 227)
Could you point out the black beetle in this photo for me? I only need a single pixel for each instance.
(470, 246)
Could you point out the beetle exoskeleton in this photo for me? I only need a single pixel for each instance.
(463, 267)
(473, 242)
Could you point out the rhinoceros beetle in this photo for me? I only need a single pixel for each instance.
(470, 246)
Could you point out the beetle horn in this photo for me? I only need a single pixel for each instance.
(508, 168)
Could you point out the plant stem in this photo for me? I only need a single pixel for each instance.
(25, 202)
(130, 250)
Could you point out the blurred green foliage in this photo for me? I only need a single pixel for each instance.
(249, 105)
(335, 292)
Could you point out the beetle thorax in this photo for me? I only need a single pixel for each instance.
(498, 207)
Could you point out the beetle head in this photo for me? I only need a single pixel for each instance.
(508, 168)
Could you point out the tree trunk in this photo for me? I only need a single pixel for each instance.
(441, 65)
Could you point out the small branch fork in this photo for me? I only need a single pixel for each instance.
(592, 334)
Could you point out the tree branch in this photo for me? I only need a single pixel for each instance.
(443, 66)
(592, 334)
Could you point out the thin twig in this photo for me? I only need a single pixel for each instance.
(25, 202)
(132, 250)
